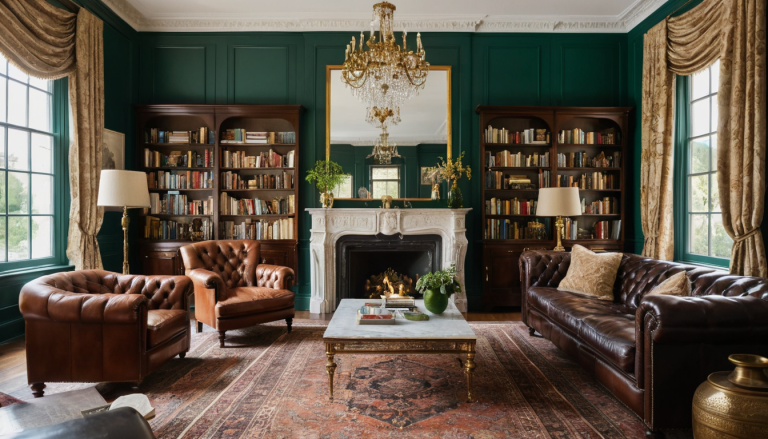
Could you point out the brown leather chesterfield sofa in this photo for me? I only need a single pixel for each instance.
(232, 290)
(653, 351)
(96, 326)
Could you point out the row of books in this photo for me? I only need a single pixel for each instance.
(187, 159)
(598, 230)
(534, 136)
(201, 135)
(497, 206)
(606, 206)
(254, 206)
(500, 180)
(582, 160)
(517, 160)
(590, 180)
(156, 228)
(241, 135)
(581, 137)
(180, 180)
(173, 203)
(261, 230)
(509, 229)
(271, 159)
(233, 180)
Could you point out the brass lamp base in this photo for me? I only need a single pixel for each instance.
(125, 223)
(559, 226)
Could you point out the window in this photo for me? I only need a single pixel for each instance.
(26, 166)
(385, 180)
(343, 189)
(704, 238)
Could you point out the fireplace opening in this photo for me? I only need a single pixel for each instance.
(361, 256)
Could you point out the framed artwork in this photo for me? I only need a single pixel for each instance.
(113, 152)
(426, 178)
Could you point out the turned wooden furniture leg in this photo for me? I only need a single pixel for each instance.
(289, 321)
(182, 354)
(531, 331)
(199, 327)
(221, 338)
(37, 389)
(469, 369)
(330, 367)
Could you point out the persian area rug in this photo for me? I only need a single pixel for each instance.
(267, 383)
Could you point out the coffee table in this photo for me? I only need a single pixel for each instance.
(446, 333)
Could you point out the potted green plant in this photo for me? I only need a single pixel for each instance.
(326, 175)
(437, 287)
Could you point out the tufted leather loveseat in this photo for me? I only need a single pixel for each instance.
(97, 326)
(232, 290)
(650, 351)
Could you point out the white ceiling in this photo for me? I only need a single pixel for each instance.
(424, 117)
(427, 15)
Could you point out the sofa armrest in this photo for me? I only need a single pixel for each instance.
(701, 319)
(541, 268)
(42, 302)
(274, 276)
(209, 280)
(175, 290)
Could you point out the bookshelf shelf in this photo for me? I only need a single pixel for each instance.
(217, 123)
(501, 286)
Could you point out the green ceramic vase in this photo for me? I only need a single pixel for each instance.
(435, 301)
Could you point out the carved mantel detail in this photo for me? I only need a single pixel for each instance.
(328, 225)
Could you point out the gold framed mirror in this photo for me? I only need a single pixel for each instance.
(423, 134)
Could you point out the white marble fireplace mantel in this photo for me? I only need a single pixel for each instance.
(328, 225)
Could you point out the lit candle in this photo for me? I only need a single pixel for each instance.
(354, 46)
(405, 43)
(361, 41)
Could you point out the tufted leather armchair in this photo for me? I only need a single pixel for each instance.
(232, 290)
(650, 351)
(97, 326)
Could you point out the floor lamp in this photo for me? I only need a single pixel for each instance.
(559, 202)
(126, 189)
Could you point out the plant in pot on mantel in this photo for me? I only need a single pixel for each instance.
(451, 171)
(437, 288)
(326, 175)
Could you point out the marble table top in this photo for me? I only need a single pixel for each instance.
(449, 325)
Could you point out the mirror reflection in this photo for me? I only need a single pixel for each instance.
(412, 145)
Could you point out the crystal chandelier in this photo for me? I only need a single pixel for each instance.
(386, 75)
(383, 151)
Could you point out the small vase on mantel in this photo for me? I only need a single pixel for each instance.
(326, 199)
(455, 199)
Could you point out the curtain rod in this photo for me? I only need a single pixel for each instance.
(69, 4)
(681, 7)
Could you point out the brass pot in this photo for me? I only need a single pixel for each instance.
(326, 199)
(735, 404)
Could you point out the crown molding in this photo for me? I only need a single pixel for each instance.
(622, 23)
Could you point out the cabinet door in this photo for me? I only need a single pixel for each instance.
(501, 276)
(161, 263)
(283, 255)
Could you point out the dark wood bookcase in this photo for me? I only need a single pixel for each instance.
(501, 272)
(161, 256)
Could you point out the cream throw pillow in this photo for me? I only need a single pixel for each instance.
(676, 285)
(592, 274)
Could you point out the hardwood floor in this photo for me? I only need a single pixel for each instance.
(13, 361)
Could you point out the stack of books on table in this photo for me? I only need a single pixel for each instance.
(398, 302)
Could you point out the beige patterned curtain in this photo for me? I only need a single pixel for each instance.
(734, 31)
(50, 43)
(657, 146)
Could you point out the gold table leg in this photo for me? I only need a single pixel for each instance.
(330, 367)
(469, 369)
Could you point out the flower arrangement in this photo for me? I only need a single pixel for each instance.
(326, 175)
(452, 171)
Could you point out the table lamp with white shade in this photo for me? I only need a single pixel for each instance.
(559, 202)
(126, 189)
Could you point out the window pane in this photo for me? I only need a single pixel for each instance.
(700, 85)
(721, 242)
(715, 198)
(379, 189)
(18, 150)
(715, 72)
(3, 64)
(18, 192)
(2, 147)
(42, 236)
(39, 110)
(42, 194)
(700, 118)
(15, 73)
(713, 142)
(18, 238)
(392, 189)
(699, 193)
(379, 173)
(698, 241)
(393, 173)
(715, 109)
(43, 84)
(2, 192)
(42, 153)
(17, 103)
(2, 99)
(699, 155)
(2, 239)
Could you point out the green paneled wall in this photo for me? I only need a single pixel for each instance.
(289, 68)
